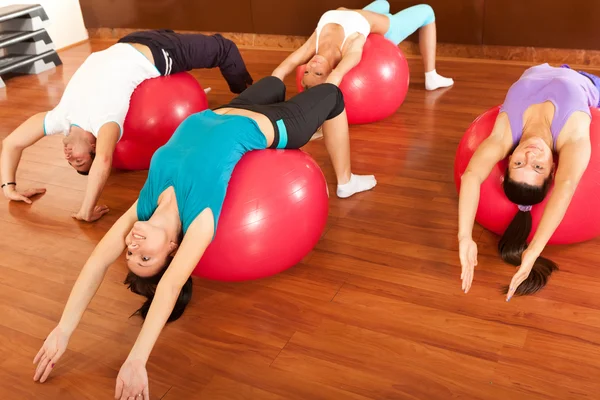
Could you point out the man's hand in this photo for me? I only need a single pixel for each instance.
(95, 215)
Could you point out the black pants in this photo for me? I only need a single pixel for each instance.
(176, 52)
(295, 120)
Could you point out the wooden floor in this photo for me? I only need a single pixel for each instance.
(374, 312)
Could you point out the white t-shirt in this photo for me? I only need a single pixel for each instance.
(100, 90)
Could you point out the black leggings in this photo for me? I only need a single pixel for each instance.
(296, 120)
(177, 52)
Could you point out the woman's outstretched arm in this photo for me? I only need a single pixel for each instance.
(106, 252)
(350, 60)
(574, 159)
(488, 154)
(297, 58)
(133, 378)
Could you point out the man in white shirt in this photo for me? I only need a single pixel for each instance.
(93, 107)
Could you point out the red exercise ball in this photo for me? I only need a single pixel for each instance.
(157, 107)
(495, 212)
(274, 213)
(377, 86)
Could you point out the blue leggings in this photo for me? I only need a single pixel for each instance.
(404, 23)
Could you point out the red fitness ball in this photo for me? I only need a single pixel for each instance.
(274, 214)
(156, 109)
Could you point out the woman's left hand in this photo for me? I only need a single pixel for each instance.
(527, 260)
(132, 381)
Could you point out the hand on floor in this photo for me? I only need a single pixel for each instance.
(467, 250)
(528, 258)
(96, 214)
(132, 381)
(24, 196)
(53, 348)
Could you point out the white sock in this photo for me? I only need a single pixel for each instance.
(356, 184)
(435, 81)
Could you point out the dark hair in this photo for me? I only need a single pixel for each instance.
(93, 155)
(514, 240)
(525, 194)
(147, 287)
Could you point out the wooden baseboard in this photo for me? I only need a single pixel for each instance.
(73, 45)
(574, 57)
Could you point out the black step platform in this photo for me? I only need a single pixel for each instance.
(27, 47)
(9, 38)
(28, 63)
(23, 11)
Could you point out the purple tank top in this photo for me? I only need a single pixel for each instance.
(568, 90)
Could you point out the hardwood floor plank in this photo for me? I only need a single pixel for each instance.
(407, 365)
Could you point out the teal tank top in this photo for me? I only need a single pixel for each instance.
(198, 162)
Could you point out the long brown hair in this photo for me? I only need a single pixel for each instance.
(514, 240)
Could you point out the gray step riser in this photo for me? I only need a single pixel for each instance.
(23, 24)
(15, 11)
(38, 47)
(23, 64)
(36, 68)
(10, 38)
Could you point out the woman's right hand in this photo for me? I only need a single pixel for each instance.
(467, 249)
(53, 348)
(11, 193)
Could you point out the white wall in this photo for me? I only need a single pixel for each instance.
(66, 22)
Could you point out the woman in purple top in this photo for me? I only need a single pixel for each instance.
(545, 112)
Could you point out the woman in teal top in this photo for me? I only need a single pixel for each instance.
(183, 195)
(197, 162)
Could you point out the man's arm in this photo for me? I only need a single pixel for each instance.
(13, 145)
(108, 137)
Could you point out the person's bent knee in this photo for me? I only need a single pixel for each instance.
(275, 79)
(428, 13)
(275, 85)
(339, 104)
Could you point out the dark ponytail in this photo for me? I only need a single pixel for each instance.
(511, 247)
(147, 287)
(514, 240)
